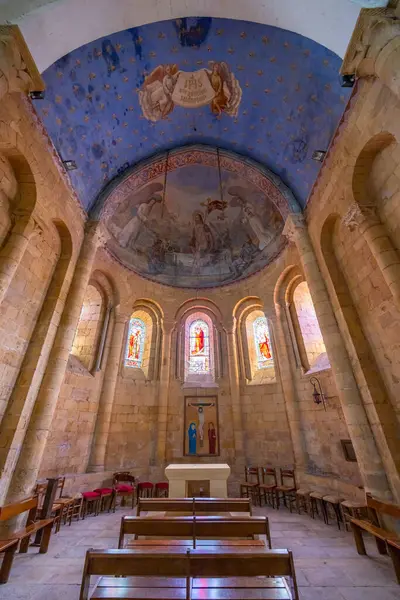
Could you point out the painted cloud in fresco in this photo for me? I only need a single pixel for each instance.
(189, 234)
(167, 87)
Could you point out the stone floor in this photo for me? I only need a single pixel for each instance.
(327, 564)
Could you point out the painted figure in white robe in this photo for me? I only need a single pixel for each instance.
(132, 229)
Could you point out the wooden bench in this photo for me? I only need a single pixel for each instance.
(194, 505)
(194, 527)
(22, 536)
(205, 573)
(383, 537)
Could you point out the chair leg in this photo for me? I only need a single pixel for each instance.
(7, 563)
(358, 538)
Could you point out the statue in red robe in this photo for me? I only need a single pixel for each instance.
(264, 347)
(212, 438)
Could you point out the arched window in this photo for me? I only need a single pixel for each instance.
(135, 344)
(199, 347)
(88, 332)
(262, 342)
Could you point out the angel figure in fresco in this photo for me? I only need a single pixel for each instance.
(200, 415)
(228, 92)
(130, 233)
(155, 97)
(198, 341)
(249, 217)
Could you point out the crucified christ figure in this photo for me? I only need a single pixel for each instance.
(200, 413)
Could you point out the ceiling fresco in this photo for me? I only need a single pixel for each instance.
(263, 92)
(196, 217)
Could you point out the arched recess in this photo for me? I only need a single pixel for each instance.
(17, 189)
(26, 388)
(203, 315)
(91, 333)
(307, 337)
(255, 343)
(381, 414)
(142, 351)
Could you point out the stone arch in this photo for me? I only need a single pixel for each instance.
(208, 311)
(150, 313)
(381, 414)
(245, 314)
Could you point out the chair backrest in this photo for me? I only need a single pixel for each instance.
(187, 563)
(194, 505)
(40, 492)
(269, 475)
(252, 474)
(288, 474)
(60, 486)
(193, 527)
(123, 478)
(377, 507)
(13, 510)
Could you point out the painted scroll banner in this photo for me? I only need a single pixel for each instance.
(193, 89)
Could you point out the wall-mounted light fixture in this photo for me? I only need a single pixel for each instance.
(318, 395)
(318, 155)
(70, 165)
(36, 95)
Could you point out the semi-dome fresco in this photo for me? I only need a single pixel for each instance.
(197, 217)
(266, 93)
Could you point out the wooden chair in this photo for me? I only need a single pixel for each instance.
(22, 536)
(315, 498)
(352, 509)
(383, 537)
(250, 487)
(60, 504)
(124, 486)
(268, 485)
(91, 504)
(74, 510)
(333, 501)
(145, 489)
(182, 574)
(302, 500)
(161, 489)
(287, 488)
(107, 498)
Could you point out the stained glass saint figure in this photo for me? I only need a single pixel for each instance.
(199, 347)
(262, 342)
(135, 345)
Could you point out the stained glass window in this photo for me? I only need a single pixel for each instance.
(135, 344)
(262, 343)
(199, 347)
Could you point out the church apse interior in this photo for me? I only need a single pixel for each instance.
(200, 250)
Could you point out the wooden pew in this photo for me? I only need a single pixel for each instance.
(189, 574)
(194, 505)
(383, 537)
(8, 547)
(194, 527)
(23, 535)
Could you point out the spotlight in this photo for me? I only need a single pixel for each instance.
(36, 95)
(70, 165)
(347, 81)
(318, 155)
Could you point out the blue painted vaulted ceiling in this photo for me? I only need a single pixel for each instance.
(291, 100)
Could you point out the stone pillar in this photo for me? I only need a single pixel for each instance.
(165, 373)
(106, 402)
(368, 457)
(289, 389)
(12, 253)
(30, 458)
(367, 221)
(233, 364)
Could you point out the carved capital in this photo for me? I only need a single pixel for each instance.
(295, 224)
(18, 72)
(360, 216)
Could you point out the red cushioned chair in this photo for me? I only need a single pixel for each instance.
(91, 503)
(145, 489)
(124, 485)
(107, 497)
(161, 489)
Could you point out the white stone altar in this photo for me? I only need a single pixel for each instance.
(180, 474)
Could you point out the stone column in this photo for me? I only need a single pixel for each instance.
(12, 253)
(367, 221)
(38, 430)
(281, 330)
(106, 402)
(368, 457)
(165, 373)
(235, 393)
